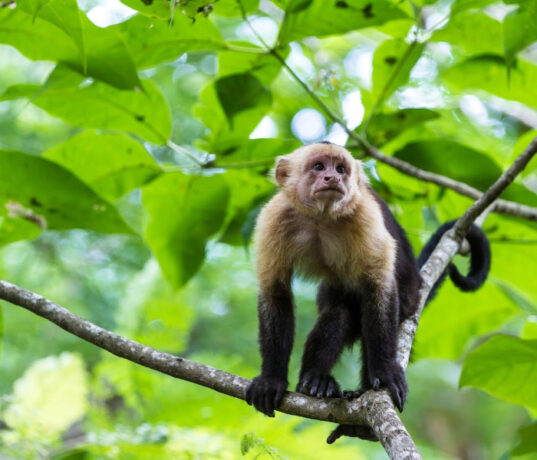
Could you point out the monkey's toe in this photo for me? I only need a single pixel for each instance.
(320, 385)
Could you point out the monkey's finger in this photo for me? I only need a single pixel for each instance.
(248, 396)
(269, 402)
(396, 396)
(279, 396)
(306, 382)
(333, 389)
(375, 383)
(315, 385)
(321, 392)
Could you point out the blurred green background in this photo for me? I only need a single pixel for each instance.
(134, 157)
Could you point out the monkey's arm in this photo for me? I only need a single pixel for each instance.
(380, 313)
(276, 333)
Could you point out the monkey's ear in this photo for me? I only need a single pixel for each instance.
(282, 171)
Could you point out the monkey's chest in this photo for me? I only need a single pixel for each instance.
(325, 254)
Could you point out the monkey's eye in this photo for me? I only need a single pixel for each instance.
(341, 169)
(318, 166)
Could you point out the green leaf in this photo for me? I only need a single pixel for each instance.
(112, 164)
(462, 5)
(68, 96)
(320, 18)
(43, 192)
(241, 92)
(519, 29)
(257, 151)
(248, 191)
(235, 8)
(453, 160)
(185, 211)
(505, 367)
(247, 443)
(392, 62)
(50, 396)
(223, 137)
(529, 331)
(17, 228)
(383, 127)
(261, 65)
(453, 318)
(528, 440)
(161, 9)
(491, 74)
(151, 41)
(474, 32)
(58, 30)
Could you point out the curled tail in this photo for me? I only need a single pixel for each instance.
(479, 259)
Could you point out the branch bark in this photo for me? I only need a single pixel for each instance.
(374, 408)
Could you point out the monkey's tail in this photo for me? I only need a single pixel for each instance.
(479, 260)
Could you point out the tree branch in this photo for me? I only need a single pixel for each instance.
(374, 408)
(501, 206)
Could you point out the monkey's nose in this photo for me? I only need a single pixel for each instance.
(327, 178)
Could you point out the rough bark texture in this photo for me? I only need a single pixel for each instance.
(374, 408)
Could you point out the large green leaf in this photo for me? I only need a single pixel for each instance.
(383, 127)
(248, 192)
(184, 211)
(474, 32)
(392, 62)
(261, 65)
(257, 152)
(491, 74)
(241, 92)
(58, 30)
(17, 228)
(152, 41)
(453, 318)
(112, 164)
(528, 440)
(161, 9)
(453, 160)
(307, 18)
(68, 96)
(463, 164)
(505, 367)
(461, 5)
(223, 137)
(50, 195)
(519, 29)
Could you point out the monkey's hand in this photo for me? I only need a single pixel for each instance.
(391, 376)
(355, 431)
(266, 393)
(315, 383)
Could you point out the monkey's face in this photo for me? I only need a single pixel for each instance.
(320, 179)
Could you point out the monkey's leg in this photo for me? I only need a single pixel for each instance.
(380, 320)
(276, 333)
(325, 343)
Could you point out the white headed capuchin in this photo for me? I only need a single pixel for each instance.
(326, 222)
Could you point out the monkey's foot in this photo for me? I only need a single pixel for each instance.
(355, 431)
(393, 378)
(314, 383)
(266, 393)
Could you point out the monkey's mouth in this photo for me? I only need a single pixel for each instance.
(331, 188)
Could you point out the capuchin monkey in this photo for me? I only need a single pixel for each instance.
(327, 223)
